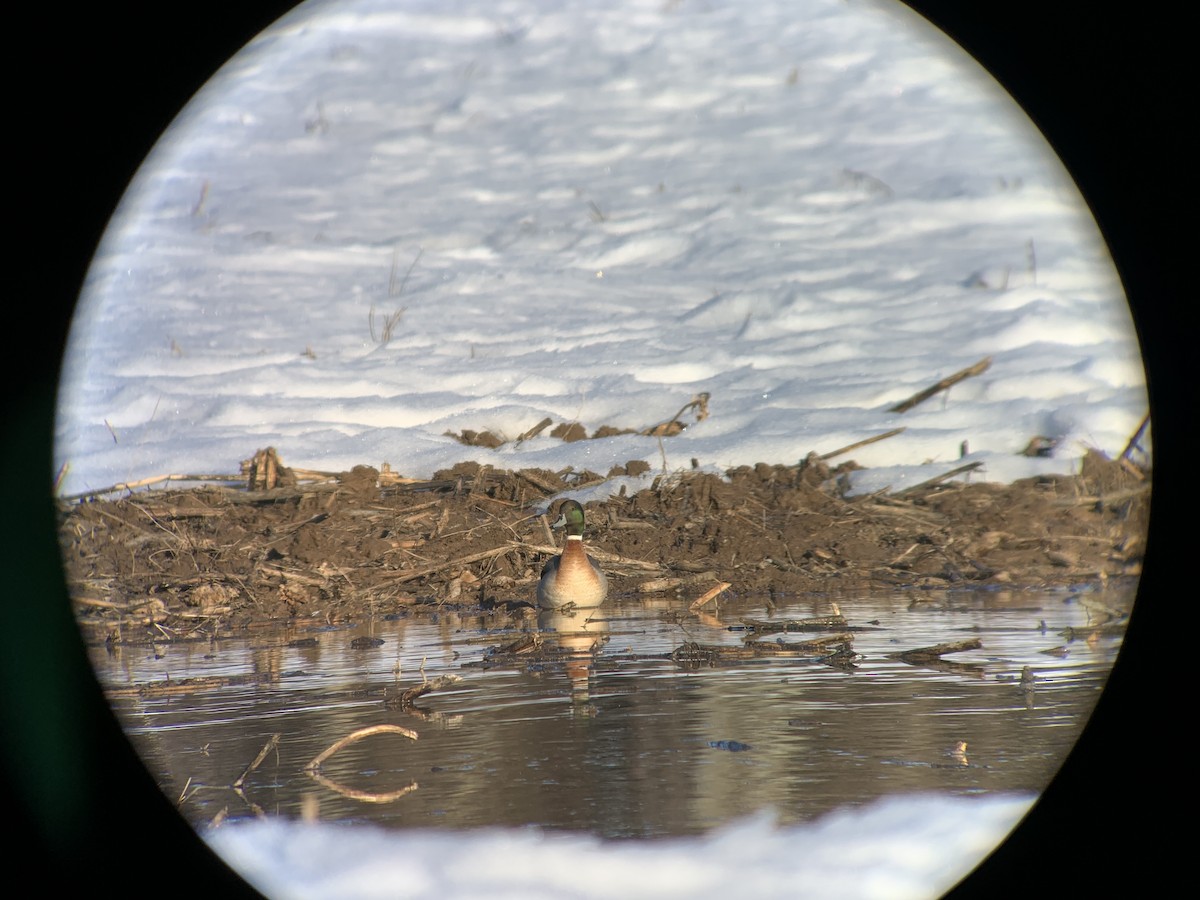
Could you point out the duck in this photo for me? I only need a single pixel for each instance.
(572, 576)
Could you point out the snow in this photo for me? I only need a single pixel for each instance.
(593, 213)
(902, 847)
(810, 213)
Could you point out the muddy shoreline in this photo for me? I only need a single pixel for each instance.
(189, 564)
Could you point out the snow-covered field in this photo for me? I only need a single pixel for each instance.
(594, 213)
(809, 210)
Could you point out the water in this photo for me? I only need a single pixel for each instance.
(618, 742)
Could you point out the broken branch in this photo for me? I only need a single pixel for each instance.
(270, 745)
(934, 653)
(709, 595)
(938, 479)
(871, 440)
(351, 738)
(921, 396)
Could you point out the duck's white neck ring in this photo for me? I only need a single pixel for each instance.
(574, 537)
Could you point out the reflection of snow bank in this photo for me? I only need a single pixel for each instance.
(916, 846)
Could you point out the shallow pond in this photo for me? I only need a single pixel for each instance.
(611, 735)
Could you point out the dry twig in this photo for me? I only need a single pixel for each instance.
(709, 595)
(871, 440)
(938, 479)
(354, 736)
(270, 745)
(921, 396)
(420, 690)
(658, 585)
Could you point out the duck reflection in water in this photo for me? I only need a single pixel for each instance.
(574, 634)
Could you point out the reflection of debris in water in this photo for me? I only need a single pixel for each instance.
(835, 648)
(1027, 684)
(731, 746)
(957, 754)
(568, 637)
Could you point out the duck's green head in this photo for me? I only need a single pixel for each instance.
(570, 517)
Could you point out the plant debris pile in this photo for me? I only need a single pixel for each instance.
(187, 564)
